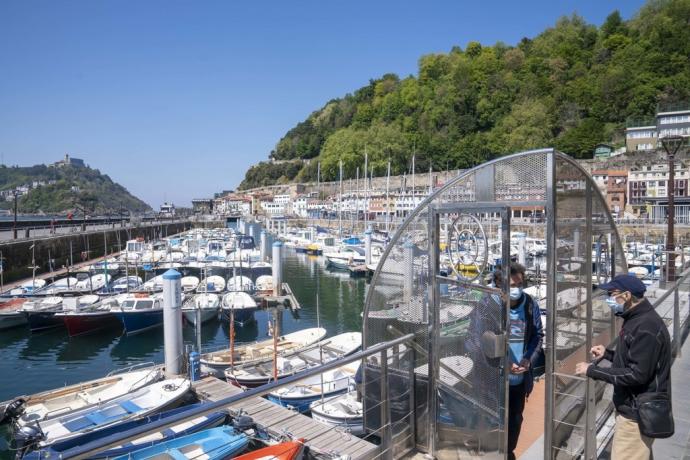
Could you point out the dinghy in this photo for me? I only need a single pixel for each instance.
(289, 450)
(142, 402)
(240, 305)
(300, 395)
(216, 362)
(343, 411)
(207, 304)
(212, 444)
(325, 351)
(182, 429)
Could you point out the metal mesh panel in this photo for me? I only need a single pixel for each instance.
(521, 179)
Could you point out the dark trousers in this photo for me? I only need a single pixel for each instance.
(516, 404)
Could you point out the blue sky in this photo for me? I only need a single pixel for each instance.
(175, 99)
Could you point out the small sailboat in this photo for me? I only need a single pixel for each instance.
(240, 283)
(213, 283)
(212, 444)
(264, 285)
(240, 305)
(216, 362)
(288, 450)
(254, 375)
(189, 283)
(340, 411)
(144, 401)
(58, 286)
(206, 303)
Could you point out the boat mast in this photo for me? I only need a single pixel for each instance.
(318, 325)
(356, 217)
(388, 183)
(340, 205)
(366, 187)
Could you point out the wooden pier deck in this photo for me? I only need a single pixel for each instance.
(277, 418)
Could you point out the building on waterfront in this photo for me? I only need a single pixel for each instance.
(233, 204)
(645, 135)
(613, 184)
(603, 151)
(69, 161)
(202, 205)
(167, 210)
(648, 191)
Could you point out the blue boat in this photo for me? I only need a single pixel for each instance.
(184, 428)
(215, 443)
(139, 314)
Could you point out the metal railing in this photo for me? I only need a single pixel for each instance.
(91, 448)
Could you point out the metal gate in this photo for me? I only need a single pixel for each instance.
(469, 319)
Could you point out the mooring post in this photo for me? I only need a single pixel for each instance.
(172, 322)
(277, 268)
(521, 249)
(367, 246)
(264, 246)
(408, 264)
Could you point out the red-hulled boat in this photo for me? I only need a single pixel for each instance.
(91, 319)
(290, 450)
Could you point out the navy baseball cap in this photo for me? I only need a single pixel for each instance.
(625, 283)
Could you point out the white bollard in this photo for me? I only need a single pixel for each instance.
(172, 323)
(576, 242)
(408, 278)
(367, 246)
(522, 249)
(263, 246)
(277, 268)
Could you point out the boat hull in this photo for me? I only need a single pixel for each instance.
(302, 404)
(10, 320)
(242, 315)
(134, 322)
(207, 314)
(90, 322)
(43, 320)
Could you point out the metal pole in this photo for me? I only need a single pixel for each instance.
(277, 268)
(197, 315)
(172, 322)
(676, 322)
(386, 432)
(367, 246)
(671, 144)
(14, 224)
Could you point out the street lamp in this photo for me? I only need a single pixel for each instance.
(671, 145)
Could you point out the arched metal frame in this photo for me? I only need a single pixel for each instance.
(411, 289)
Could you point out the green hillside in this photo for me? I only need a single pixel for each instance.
(572, 86)
(74, 188)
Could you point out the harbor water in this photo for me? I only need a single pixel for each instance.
(30, 363)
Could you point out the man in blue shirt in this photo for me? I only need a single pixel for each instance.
(524, 346)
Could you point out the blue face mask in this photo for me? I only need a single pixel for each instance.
(615, 307)
(515, 293)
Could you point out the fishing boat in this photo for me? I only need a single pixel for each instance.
(139, 313)
(325, 351)
(203, 422)
(264, 285)
(343, 411)
(288, 450)
(51, 404)
(240, 283)
(216, 362)
(213, 283)
(96, 317)
(300, 395)
(212, 444)
(240, 305)
(207, 304)
(40, 313)
(189, 283)
(144, 401)
(10, 314)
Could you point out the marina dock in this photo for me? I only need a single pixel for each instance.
(280, 419)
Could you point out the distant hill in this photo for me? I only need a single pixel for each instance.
(571, 87)
(66, 188)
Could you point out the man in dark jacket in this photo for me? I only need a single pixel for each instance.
(641, 362)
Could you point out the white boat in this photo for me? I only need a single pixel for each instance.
(345, 257)
(92, 283)
(58, 286)
(264, 284)
(122, 285)
(146, 400)
(189, 283)
(343, 411)
(27, 288)
(322, 352)
(240, 304)
(207, 304)
(53, 403)
(216, 362)
(212, 283)
(240, 283)
(155, 284)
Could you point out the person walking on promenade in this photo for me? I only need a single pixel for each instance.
(641, 365)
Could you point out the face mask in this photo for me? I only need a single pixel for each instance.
(515, 293)
(615, 307)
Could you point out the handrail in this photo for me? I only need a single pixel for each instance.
(88, 449)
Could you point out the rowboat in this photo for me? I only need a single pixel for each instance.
(240, 305)
(289, 450)
(207, 304)
(142, 402)
(182, 429)
(216, 362)
(340, 411)
(300, 395)
(52, 404)
(215, 443)
(254, 375)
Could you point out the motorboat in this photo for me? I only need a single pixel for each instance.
(10, 314)
(213, 283)
(58, 286)
(140, 312)
(345, 257)
(239, 306)
(240, 283)
(343, 411)
(40, 312)
(216, 362)
(27, 288)
(189, 283)
(98, 316)
(325, 351)
(121, 285)
(288, 450)
(206, 304)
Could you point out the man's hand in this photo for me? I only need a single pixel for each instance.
(581, 368)
(515, 369)
(597, 351)
(525, 364)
